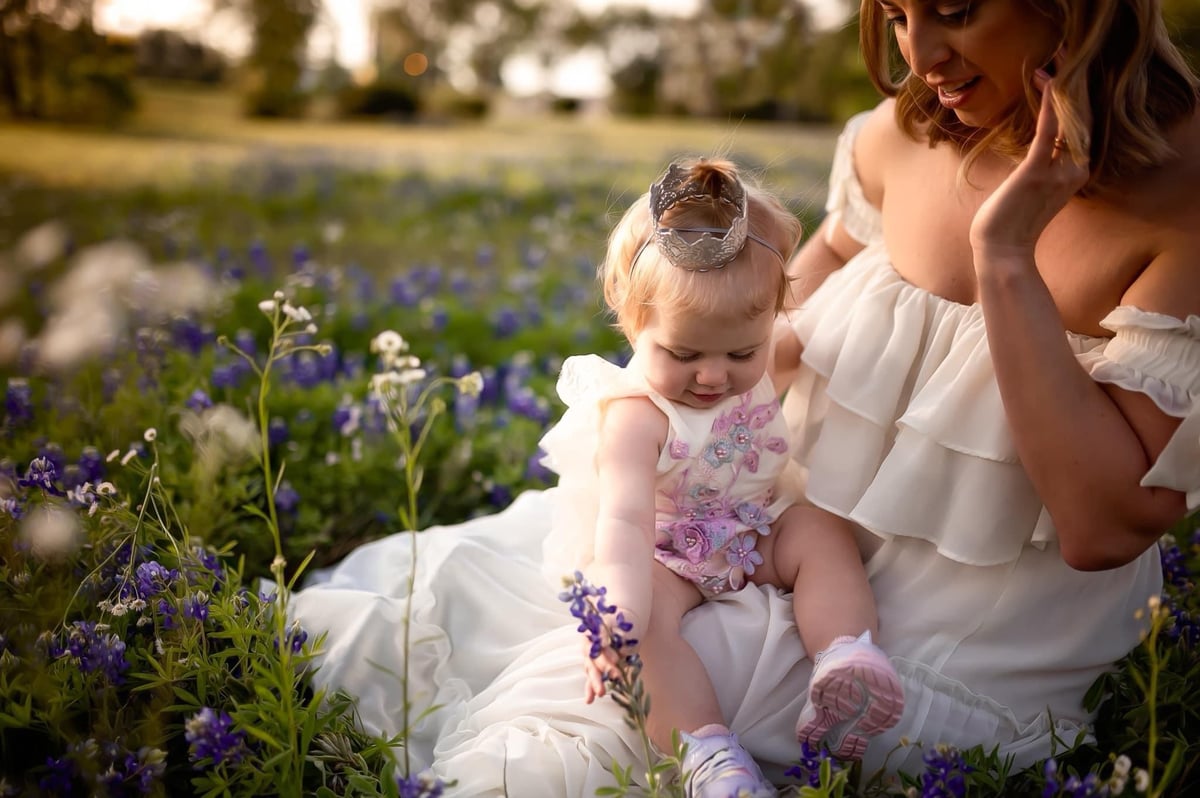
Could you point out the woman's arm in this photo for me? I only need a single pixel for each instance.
(1084, 446)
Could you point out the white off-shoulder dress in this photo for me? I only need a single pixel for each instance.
(897, 425)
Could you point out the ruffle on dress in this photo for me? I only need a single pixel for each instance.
(846, 201)
(1158, 355)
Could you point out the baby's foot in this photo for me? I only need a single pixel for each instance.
(854, 695)
(715, 766)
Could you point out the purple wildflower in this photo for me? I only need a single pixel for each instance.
(41, 473)
(945, 773)
(199, 400)
(807, 769)
(93, 651)
(196, 606)
(212, 739)
(60, 777)
(589, 606)
(153, 578)
(18, 401)
(286, 498)
(420, 785)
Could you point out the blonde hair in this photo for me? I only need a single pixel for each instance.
(1119, 68)
(637, 278)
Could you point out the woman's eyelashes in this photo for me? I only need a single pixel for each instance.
(947, 15)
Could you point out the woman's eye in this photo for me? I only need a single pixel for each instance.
(955, 14)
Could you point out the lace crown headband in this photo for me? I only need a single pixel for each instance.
(708, 251)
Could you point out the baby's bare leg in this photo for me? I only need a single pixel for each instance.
(812, 553)
(681, 693)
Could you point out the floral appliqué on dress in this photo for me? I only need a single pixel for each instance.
(707, 529)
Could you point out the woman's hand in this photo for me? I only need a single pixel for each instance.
(1012, 219)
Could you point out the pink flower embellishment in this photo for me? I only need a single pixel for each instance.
(679, 450)
(690, 539)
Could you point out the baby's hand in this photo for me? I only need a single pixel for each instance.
(596, 668)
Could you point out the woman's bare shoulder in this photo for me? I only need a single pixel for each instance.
(880, 142)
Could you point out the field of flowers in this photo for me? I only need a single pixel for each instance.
(241, 379)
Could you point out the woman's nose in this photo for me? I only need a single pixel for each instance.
(927, 47)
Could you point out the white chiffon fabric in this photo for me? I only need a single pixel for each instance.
(897, 425)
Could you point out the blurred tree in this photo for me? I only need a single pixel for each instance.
(54, 65)
(169, 55)
(278, 60)
(455, 47)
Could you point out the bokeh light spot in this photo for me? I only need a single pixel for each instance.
(415, 64)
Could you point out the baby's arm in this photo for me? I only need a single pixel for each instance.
(785, 361)
(631, 437)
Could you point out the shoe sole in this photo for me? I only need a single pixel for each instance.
(853, 703)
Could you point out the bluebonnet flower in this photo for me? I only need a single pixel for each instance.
(41, 473)
(505, 322)
(93, 651)
(296, 636)
(589, 606)
(153, 578)
(403, 293)
(208, 561)
(12, 507)
(188, 335)
(1089, 786)
(199, 400)
(807, 769)
(196, 606)
(1174, 565)
(60, 777)
(18, 401)
(286, 498)
(212, 738)
(945, 773)
(131, 774)
(420, 785)
(91, 465)
(277, 431)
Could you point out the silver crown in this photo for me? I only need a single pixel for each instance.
(708, 250)
(714, 247)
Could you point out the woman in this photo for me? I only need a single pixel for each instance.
(1001, 389)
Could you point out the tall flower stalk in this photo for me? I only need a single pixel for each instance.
(291, 328)
(411, 403)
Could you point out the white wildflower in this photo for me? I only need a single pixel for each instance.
(52, 531)
(107, 488)
(150, 434)
(389, 342)
(1141, 780)
(296, 314)
(278, 564)
(311, 329)
(471, 384)
(129, 455)
(113, 455)
(278, 295)
(332, 458)
(158, 646)
(332, 232)
(1122, 765)
(267, 306)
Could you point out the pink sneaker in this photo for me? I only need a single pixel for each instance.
(854, 695)
(715, 766)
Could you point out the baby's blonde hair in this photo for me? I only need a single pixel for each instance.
(637, 279)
